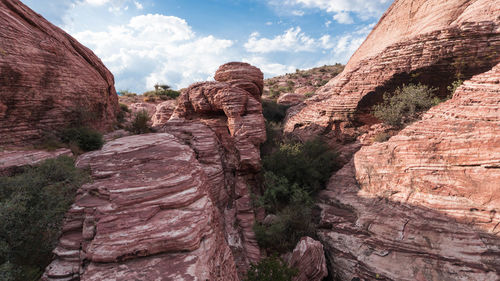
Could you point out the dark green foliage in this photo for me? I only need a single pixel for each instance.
(140, 123)
(405, 104)
(272, 111)
(120, 117)
(124, 107)
(270, 269)
(454, 86)
(309, 164)
(87, 139)
(273, 138)
(32, 207)
(280, 193)
(291, 223)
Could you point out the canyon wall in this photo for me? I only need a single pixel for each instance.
(431, 42)
(48, 81)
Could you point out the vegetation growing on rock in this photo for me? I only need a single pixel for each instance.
(32, 207)
(270, 269)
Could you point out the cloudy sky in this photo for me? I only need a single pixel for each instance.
(178, 42)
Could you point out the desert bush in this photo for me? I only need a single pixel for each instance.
(309, 94)
(280, 193)
(272, 268)
(32, 207)
(86, 139)
(127, 93)
(308, 164)
(272, 111)
(405, 104)
(381, 137)
(454, 86)
(292, 223)
(273, 138)
(140, 123)
(120, 117)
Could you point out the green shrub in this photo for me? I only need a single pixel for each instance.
(272, 111)
(270, 269)
(405, 104)
(309, 164)
(120, 117)
(124, 107)
(32, 207)
(381, 137)
(280, 193)
(291, 223)
(85, 138)
(140, 123)
(454, 86)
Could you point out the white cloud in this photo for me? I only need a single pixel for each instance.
(270, 69)
(298, 13)
(293, 40)
(364, 9)
(269, 23)
(343, 17)
(138, 5)
(327, 23)
(157, 48)
(96, 2)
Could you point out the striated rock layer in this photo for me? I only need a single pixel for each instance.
(308, 258)
(433, 42)
(146, 216)
(425, 205)
(48, 80)
(223, 123)
(174, 205)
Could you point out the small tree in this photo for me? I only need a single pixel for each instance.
(140, 123)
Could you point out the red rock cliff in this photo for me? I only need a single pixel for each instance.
(47, 79)
(428, 41)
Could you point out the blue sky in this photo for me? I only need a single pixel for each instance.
(178, 42)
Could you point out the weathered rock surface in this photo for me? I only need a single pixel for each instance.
(431, 42)
(309, 258)
(223, 124)
(163, 112)
(47, 79)
(142, 106)
(242, 75)
(425, 205)
(146, 216)
(290, 99)
(12, 161)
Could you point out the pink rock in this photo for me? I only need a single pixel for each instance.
(415, 41)
(11, 161)
(146, 213)
(309, 258)
(242, 75)
(290, 99)
(48, 80)
(163, 112)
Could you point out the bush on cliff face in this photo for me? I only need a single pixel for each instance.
(85, 138)
(405, 104)
(32, 207)
(270, 269)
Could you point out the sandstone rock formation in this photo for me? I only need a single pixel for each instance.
(163, 112)
(223, 123)
(309, 258)
(173, 205)
(47, 79)
(146, 216)
(12, 161)
(425, 205)
(290, 99)
(434, 42)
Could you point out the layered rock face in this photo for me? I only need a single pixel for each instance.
(309, 258)
(433, 42)
(47, 79)
(425, 205)
(146, 216)
(173, 205)
(223, 123)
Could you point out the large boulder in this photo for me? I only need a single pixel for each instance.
(48, 81)
(309, 259)
(434, 42)
(424, 205)
(147, 215)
